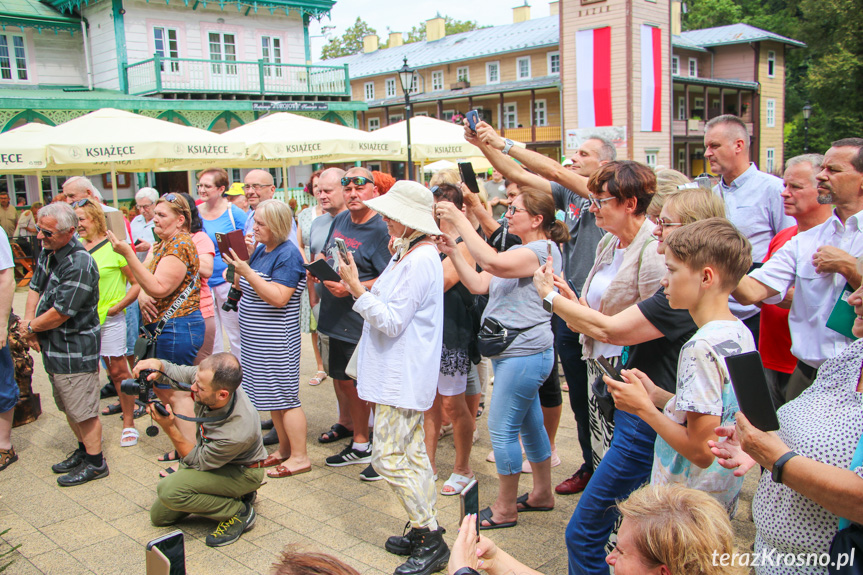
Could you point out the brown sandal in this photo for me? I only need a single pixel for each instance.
(282, 471)
(7, 457)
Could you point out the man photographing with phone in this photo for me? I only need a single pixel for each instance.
(220, 473)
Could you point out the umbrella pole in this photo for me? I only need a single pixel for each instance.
(285, 177)
(114, 186)
(423, 171)
(41, 191)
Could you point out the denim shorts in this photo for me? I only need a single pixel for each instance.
(8, 385)
(180, 340)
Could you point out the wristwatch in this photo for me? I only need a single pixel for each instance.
(776, 474)
(509, 144)
(466, 571)
(30, 328)
(547, 304)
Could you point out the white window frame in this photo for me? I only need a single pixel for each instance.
(650, 157)
(462, 73)
(698, 104)
(518, 68)
(507, 114)
(446, 115)
(675, 65)
(770, 157)
(681, 160)
(488, 68)
(390, 87)
(374, 124)
(550, 60)
(693, 67)
(166, 51)
(274, 56)
(415, 84)
(681, 108)
(771, 113)
(369, 91)
(424, 114)
(771, 64)
(396, 118)
(540, 113)
(230, 69)
(437, 80)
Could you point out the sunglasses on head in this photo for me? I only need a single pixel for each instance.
(357, 180)
(170, 198)
(80, 203)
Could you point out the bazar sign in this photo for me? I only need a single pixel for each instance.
(289, 106)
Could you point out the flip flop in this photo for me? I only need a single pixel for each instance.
(527, 507)
(169, 456)
(455, 482)
(129, 437)
(320, 376)
(282, 471)
(486, 515)
(336, 432)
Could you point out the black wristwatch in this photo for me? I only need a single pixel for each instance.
(466, 571)
(776, 474)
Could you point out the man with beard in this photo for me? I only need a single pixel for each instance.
(220, 473)
(819, 264)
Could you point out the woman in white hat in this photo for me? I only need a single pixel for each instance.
(398, 360)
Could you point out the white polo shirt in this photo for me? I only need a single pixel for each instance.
(812, 342)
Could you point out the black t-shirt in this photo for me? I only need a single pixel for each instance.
(658, 358)
(368, 244)
(580, 251)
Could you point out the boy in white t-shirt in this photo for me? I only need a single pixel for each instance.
(705, 260)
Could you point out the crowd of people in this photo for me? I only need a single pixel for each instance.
(433, 293)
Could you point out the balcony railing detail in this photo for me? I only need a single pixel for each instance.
(159, 75)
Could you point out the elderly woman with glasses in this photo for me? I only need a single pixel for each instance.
(114, 272)
(272, 281)
(654, 334)
(171, 279)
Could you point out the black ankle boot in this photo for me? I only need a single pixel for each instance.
(429, 552)
(400, 544)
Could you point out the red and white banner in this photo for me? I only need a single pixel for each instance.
(593, 77)
(651, 79)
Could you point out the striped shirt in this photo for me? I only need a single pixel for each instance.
(68, 281)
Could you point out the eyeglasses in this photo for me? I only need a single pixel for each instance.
(357, 180)
(255, 187)
(511, 210)
(664, 222)
(597, 202)
(80, 203)
(144, 206)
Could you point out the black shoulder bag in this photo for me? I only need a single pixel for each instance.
(145, 347)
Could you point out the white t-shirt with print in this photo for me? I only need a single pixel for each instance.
(703, 386)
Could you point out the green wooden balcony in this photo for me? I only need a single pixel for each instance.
(159, 75)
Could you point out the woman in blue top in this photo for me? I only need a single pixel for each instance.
(273, 281)
(220, 216)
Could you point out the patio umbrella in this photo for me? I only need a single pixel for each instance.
(108, 139)
(430, 140)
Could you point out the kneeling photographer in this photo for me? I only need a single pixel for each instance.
(220, 472)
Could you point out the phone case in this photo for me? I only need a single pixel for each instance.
(233, 240)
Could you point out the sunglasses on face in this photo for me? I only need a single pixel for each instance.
(356, 180)
(46, 233)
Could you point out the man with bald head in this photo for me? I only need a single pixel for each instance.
(753, 199)
(259, 186)
(79, 188)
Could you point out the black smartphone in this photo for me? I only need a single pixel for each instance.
(170, 547)
(572, 286)
(606, 368)
(753, 394)
(138, 241)
(469, 500)
(472, 120)
(343, 248)
(468, 176)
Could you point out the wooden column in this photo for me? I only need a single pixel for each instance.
(532, 112)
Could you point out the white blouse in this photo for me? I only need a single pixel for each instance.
(399, 352)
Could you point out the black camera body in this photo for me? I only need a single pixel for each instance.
(139, 386)
(232, 299)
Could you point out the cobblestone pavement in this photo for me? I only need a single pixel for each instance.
(102, 527)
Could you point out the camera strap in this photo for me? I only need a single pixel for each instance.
(213, 419)
(181, 299)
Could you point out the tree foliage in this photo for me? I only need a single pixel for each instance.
(828, 73)
(351, 42)
(451, 25)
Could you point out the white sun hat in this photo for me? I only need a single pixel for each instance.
(410, 204)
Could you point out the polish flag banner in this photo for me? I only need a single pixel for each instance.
(593, 77)
(651, 79)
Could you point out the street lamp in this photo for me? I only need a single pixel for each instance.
(406, 77)
(807, 111)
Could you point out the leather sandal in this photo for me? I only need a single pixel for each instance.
(282, 471)
(7, 457)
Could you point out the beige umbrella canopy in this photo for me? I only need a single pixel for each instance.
(107, 140)
(23, 148)
(431, 140)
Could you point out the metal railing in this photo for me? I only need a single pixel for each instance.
(159, 75)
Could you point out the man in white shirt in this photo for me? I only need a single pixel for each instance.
(817, 263)
(142, 224)
(753, 199)
(258, 186)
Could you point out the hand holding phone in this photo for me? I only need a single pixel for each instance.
(343, 249)
(469, 501)
(468, 176)
(605, 367)
(472, 120)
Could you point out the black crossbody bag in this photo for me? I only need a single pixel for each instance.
(145, 347)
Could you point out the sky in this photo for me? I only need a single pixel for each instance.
(396, 15)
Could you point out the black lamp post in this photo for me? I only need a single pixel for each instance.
(807, 111)
(406, 77)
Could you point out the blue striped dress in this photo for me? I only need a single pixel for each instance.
(270, 336)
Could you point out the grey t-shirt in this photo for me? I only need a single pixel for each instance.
(496, 190)
(515, 303)
(580, 251)
(317, 237)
